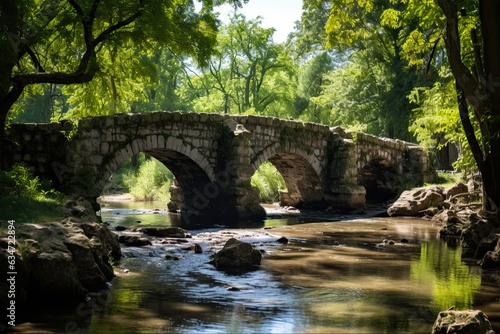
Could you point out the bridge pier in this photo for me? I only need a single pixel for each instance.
(231, 194)
(242, 196)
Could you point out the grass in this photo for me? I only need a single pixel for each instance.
(29, 199)
(446, 179)
(30, 210)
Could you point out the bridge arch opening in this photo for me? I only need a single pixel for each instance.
(143, 177)
(269, 181)
(303, 186)
(380, 180)
(192, 192)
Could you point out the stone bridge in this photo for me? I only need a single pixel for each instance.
(213, 157)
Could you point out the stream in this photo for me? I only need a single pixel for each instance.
(336, 274)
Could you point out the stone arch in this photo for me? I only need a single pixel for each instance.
(380, 179)
(304, 187)
(201, 189)
(154, 143)
(276, 148)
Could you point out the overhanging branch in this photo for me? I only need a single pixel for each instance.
(53, 77)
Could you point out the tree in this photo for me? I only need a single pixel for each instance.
(241, 76)
(478, 86)
(351, 95)
(374, 31)
(310, 85)
(62, 41)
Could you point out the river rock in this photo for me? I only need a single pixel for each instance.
(488, 244)
(64, 260)
(134, 240)
(237, 254)
(491, 259)
(462, 322)
(80, 208)
(413, 202)
(53, 276)
(452, 223)
(456, 189)
(197, 249)
(165, 232)
(477, 230)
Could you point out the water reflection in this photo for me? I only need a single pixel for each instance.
(451, 282)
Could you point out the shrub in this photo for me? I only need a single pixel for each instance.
(20, 182)
(269, 181)
(152, 182)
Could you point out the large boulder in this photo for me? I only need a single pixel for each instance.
(456, 189)
(80, 208)
(53, 276)
(64, 260)
(491, 259)
(415, 201)
(462, 322)
(237, 255)
(477, 230)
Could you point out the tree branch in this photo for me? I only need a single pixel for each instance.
(477, 55)
(103, 35)
(77, 8)
(473, 90)
(34, 59)
(93, 9)
(462, 74)
(53, 77)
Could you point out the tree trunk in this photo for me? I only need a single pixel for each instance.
(5, 104)
(490, 29)
(482, 92)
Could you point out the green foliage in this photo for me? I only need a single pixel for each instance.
(74, 42)
(31, 210)
(310, 87)
(152, 182)
(248, 74)
(27, 199)
(436, 121)
(447, 179)
(269, 181)
(20, 182)
(351, 96)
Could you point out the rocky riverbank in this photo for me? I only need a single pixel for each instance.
(460, 214)
(58, 263)
(461, 218)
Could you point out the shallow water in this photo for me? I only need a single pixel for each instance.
(336, 276)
